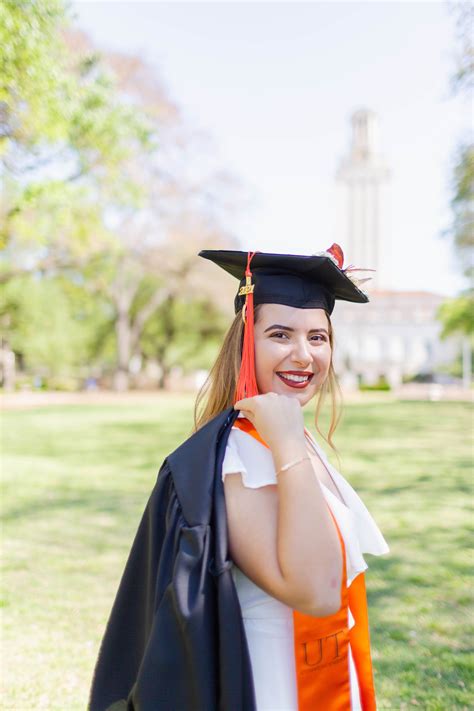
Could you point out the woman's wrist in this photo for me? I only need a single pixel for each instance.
(293, 464)
(287, 451)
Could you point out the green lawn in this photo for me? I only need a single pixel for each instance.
(75, 481)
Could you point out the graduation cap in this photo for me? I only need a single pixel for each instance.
(303, 281)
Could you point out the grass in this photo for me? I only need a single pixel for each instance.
(75, 482)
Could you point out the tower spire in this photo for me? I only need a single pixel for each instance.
(361, 177)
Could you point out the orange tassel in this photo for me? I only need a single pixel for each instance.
(247, 382)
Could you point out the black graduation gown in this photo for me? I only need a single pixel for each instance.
(175, 639)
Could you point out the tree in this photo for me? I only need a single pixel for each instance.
(183, 210)
(144, 283)
(65, 134)
(107, 189)
(456, 314)
(185, 332)
(54, 327)
(463, 76)
(462, 206)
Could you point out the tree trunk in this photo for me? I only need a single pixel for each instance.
(162, 379)
(123, 335)
(169, 332)
(8, 367)
(123, 292)
(466, 363)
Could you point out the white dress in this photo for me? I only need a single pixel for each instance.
(268, 622)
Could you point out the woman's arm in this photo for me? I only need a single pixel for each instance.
(283, 537)
(308, 547)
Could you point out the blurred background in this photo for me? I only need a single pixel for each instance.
(133, 135)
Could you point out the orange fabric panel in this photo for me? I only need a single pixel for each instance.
(359, 637)
(321, 644)
(322, 655)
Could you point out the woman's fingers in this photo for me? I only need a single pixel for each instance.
(274, 416)
(247, 408)
(243, 404)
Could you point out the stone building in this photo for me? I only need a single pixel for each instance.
(397, 333)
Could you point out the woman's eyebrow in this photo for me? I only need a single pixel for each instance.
(287, 328)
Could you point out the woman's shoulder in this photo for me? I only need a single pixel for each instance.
(247, 456)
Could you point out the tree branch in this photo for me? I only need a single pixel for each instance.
(145, 312)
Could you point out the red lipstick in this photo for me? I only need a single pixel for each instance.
(294, 383)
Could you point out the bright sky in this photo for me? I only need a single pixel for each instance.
(275, 84)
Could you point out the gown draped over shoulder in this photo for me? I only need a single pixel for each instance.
(268, 622)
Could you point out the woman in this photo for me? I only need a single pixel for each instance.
(284, 619)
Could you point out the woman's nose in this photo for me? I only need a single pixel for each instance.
(301, 352)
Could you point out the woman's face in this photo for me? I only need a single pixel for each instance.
(292, 351)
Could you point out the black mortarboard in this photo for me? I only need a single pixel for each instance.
(302, 281)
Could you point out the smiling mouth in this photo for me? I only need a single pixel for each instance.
(295, 381)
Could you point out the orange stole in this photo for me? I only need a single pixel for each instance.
(321, 644)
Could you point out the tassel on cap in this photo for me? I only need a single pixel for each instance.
(247, 382)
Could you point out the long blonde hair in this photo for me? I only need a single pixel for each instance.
(218, 391)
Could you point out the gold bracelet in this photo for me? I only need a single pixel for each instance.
(291, 464)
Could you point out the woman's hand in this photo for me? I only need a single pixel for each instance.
(277, 418)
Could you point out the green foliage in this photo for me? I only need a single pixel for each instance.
(32, 82)
(462, 205)
(456, 367)
(59, 328)
(381, 385)
(463, 77)
(67, 135)
(56, 100)
(54, 224)
(53, 325)
(457, 315)
(181, 332)
(83, 192)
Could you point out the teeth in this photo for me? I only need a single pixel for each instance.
(296, 378)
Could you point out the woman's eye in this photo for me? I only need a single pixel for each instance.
(280, 335)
